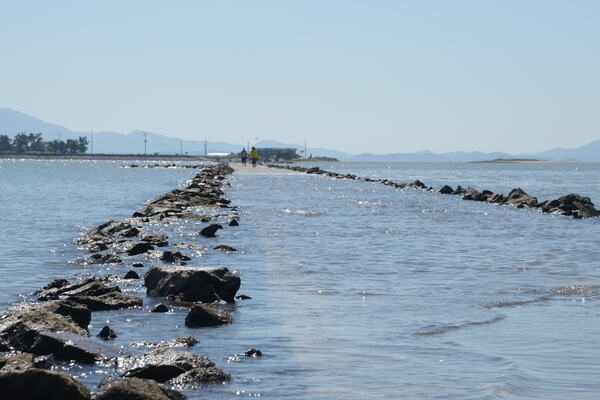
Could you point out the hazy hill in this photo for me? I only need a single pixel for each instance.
(138, 142)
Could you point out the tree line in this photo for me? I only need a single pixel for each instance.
(32, 143)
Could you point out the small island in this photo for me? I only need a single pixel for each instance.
(513, 160)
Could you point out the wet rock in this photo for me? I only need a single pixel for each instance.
(224, 247)
(160, 308)
(445, 190)
(99, 258)
(192, 284)
(114, 300)
(97, 247)
(106, 232)
(183, 341)
(210, 230)
(496, 198)
(204, 315)
(56, 284)
(155, 239)
(92, 293)
(79, 313)
(107, 333)
(161, 364)
(571, 204)
(199, 376)
(234, 222)
(137, 265)
(243, 297)
(131, 275)
(174, 257)
(253, 353)
(25, 331)
(136, 389)
(416, 185)
(38, 384)
(519, 198)
(472, 194)
(135, 248)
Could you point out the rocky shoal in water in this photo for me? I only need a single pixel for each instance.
(572, 204)
(55, 326)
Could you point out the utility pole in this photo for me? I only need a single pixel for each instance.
(145, 142)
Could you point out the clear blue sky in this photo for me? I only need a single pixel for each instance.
(357, 76)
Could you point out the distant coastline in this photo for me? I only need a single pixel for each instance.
(86, 156)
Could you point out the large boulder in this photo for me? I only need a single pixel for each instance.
(40, 384)
(192, 284)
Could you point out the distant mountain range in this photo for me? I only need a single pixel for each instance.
(139, 142)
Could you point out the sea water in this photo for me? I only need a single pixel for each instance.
(359, 290)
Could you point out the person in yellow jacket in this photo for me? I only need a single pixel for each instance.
(253, 156)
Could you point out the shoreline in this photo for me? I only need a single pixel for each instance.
(55, 325)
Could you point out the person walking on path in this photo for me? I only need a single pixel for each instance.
(244, 156)
(253, 156)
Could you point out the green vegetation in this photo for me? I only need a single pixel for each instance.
(32, 143)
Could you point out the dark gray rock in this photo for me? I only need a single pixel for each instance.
(199, 376)
(135, 248)
(161, 364)
(160, 308)
(40, 384)
(107, 333)
(131, 275)
(29, 331)
(445, 190)
(204, 315)
(103, 258)
(518, 198)
(210, 230)
(175, 257)
(192, 284)
(224, 247)
(134, 389)
(155, 239)
(253, 353)
(572, 204)
(114, 300)
(79, 313)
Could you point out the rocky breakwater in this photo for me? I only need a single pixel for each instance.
(54, 327)
(572, 204)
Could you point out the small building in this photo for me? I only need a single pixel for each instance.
(274, 153)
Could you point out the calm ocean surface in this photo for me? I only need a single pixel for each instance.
(359, 291)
